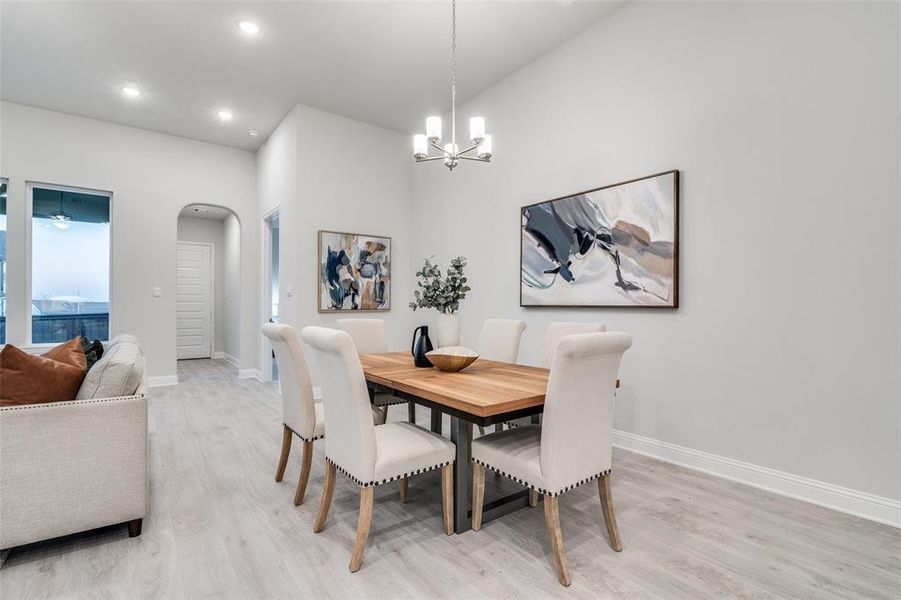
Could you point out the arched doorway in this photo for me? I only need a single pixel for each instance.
(208, 284)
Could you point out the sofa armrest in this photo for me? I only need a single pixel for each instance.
(71, 466)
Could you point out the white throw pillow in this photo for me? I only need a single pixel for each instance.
(117, 373)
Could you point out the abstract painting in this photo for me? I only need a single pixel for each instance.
(354, 272)
(614, 246)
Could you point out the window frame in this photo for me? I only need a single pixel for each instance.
(6, 251)
(29, 248)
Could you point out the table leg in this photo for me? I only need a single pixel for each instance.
(436, 421)
(461, 435)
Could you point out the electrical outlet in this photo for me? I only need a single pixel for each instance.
(317, 393)
(157, 292)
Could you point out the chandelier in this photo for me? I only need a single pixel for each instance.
(450, 153)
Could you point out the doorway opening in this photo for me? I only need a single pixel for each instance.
(271, 245)
(208, 284)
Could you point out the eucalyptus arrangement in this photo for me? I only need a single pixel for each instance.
(441, 293)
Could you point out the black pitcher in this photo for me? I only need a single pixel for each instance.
(421, 346)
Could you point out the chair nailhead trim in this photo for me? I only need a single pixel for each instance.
(304, 439)
(542, 490)
(381, 404)
(390, 479)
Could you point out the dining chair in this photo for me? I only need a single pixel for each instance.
(367, 454)
(370, 336)
(556, 331)
(300, 415)
(574, 444)
(499, 340)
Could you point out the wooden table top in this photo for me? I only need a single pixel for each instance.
(483, 389)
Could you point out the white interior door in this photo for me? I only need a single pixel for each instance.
(194, 301)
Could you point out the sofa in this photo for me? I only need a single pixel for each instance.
(67, 467)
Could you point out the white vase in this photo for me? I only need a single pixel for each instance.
(448, 330)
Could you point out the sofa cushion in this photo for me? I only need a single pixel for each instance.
(118, 373)
(31, 379)
(122, 337)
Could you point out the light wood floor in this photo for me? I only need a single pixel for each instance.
(219, 526)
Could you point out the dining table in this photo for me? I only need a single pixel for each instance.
(485, 393)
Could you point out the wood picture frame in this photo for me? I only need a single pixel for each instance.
(650, 277)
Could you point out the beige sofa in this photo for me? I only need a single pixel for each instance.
(72, 466)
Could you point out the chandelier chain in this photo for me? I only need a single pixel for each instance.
(454, 72)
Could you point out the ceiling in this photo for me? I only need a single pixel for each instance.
(385, 63)
(205, 211)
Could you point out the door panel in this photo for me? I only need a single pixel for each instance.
(193, 301)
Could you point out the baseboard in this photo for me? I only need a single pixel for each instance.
(231, 360)
(250, 374)
(220, 355)
(161, 380)
(860, 504)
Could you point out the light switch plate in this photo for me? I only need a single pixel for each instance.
(317, 393)
(157, 292)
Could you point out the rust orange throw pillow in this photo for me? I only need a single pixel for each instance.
(31, 379)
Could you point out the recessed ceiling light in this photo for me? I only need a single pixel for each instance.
(249, 28)
(253, 133)
(130, 90)
(225, 115)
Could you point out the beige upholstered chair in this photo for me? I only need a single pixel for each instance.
(556, 331)
(300, 416)
(369, 455)
(499, 340)
(572, 447)
(370, 336)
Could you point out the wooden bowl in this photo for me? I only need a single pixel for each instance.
(451, 358)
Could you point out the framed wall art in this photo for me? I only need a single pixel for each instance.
(354, 272)
(614, 246)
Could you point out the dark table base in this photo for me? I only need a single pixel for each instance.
(461, 435)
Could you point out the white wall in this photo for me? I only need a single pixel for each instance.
(152, 176)
(277, 189)
(784, 121)
(329, 172)
(211, 231)
(234, 292)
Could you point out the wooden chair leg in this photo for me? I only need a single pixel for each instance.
(552, 520)
(533, 498)
(327, 489)
(134, 527)
(606, 494)
(365, 520)
(478, 495)
(481, 430)
(411, 412)
(404, 489)
(447, 497)
(287, 436)
(499, 427)
(305, 464)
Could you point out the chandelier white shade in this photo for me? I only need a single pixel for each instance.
(479, 147)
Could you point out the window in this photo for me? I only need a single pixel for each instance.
(3, 186)
(70, 264)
